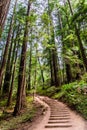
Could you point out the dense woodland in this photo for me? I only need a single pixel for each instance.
(43, 44)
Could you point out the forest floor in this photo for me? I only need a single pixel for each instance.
(54, 115)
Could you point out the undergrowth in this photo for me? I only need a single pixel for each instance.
(73, 94)
(8, 122)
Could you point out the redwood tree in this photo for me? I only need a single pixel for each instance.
(20, 101)
(7, 46)
(4, 7)
(81, 47)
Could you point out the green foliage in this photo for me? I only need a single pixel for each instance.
(32, 18)
(81, 11)
(75, 95)
(45, 18)
(14, 122)
(70, 37)
(3, 103)
(47, 91)
(84, 78)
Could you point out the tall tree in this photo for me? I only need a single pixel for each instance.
(54, 56)
(4, 7)
(13, 75)
(64, 50)
(6, 84)
(82, 50)
(42, 73)
(30, 63)
(21, 101)
(7, 45)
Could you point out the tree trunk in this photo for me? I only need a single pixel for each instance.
(7, 46)
(12, 82)
(54, 58)
(20, 101)
(55, 67)
(8, 74)
(4, 7)
(6, 79)
(67, 65)
(82, 50)
(51, 69)
(68, 73)
(5, 53)
(42, 74)
(30, 61)
(35, 72)
(12, 74)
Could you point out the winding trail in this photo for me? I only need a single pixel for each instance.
(57, 116)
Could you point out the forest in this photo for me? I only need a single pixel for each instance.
(43, 52)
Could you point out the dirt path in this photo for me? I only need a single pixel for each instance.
(57, 117)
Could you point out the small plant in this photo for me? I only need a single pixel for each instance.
(75, 95)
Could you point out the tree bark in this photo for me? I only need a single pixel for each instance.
(67, 65)
(42, 74)
(55, 81)
(30, 61)
(4, 7)
(82, 50)
(12, 82)
(68, 73)
(20, 101)
(12, 67)
(54, 58)
(6, 84)
(7, 46)
(51, 69)
(5, 53)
